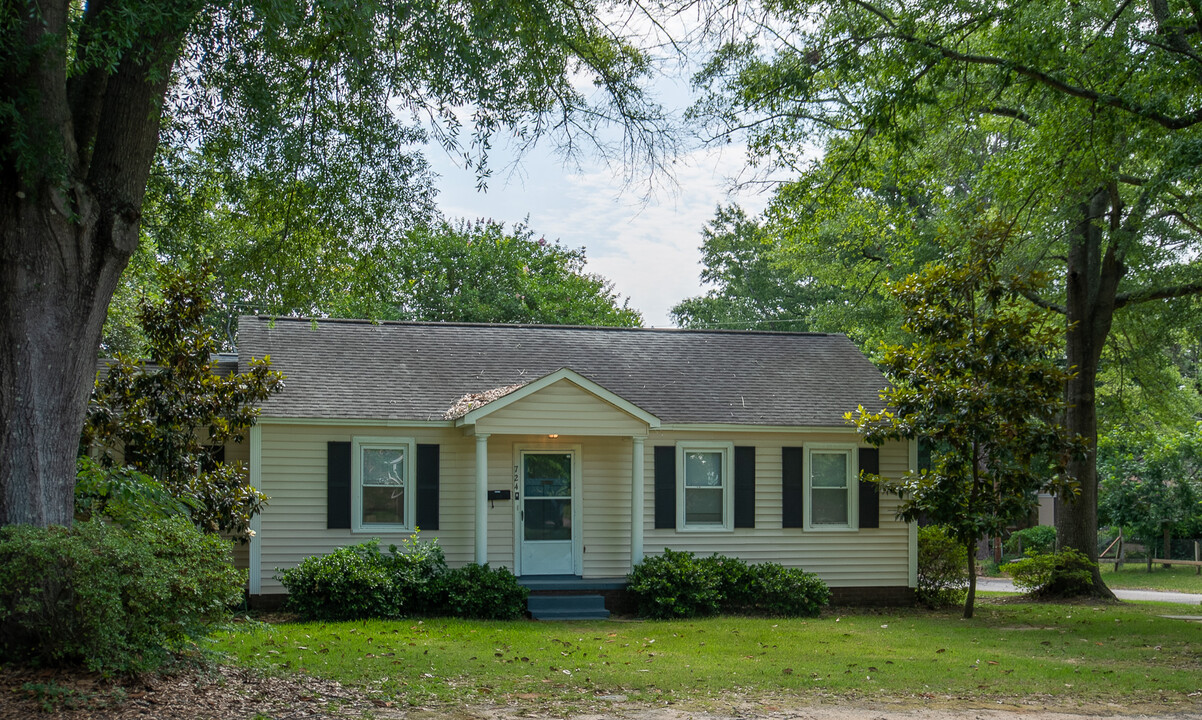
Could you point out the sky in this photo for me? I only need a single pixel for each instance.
(648, 245)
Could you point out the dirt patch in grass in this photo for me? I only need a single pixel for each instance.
(234, 694)
(224, 692)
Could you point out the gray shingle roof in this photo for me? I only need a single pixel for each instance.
(416, 371)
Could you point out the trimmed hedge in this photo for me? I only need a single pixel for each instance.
(109, 598)
(362, 581)
(680, 585)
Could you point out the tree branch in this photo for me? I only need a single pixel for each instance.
(86, 88)
(1180, 216)
(1165, 293)
(1045, 304)
(1169, 122)
(1006, 112)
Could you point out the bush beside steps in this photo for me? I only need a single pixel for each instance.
(680, 585)
(362, 581)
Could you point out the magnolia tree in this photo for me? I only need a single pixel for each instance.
(981, 382)
(171, 419)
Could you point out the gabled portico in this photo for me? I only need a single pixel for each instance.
(548, 476)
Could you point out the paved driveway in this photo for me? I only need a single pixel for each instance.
(1004, 585)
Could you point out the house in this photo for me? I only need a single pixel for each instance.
(573, 452)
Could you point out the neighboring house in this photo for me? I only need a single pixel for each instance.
(573, 452)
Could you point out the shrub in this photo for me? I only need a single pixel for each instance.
(361, 581)
(417, 569)
(734, 579)
(110, 598)
(789, 592)
(673, 585)
(1067, 573)
(678, 584)
(350, 583)
(484, 593)
(1038, 539)
(942, 568)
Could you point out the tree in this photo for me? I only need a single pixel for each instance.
(981, 382)
(445, 272)
(480, 272)
(818, 256)
(1152, 484)
(1076, 124)
(1148, 378)
(291, 84)
(751, 290)
(172, 419)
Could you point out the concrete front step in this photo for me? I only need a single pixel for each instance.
(567, 607)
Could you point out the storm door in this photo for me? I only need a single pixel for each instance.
(546, 513)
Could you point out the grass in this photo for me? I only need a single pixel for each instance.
(1074, 653)
(1135, 576)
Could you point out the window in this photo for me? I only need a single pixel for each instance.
(830, 482)
(382, 474)
(705, 499)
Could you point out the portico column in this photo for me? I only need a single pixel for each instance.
(636, 501)
(481, 499)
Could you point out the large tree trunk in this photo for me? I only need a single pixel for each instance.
(73, 174)
(1092, 285)
(53, 298)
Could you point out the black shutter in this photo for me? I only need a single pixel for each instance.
(665, 486)
(338, 485)
(427, 487)
(744, 487)
(870, 499)
(792, 489)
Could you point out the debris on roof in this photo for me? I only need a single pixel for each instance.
(471, 401)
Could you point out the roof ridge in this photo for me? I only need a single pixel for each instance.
(533, 326)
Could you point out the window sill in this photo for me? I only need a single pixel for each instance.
(705, 529)
(832, 528)
(382, 530)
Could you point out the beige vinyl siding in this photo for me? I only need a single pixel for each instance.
(294, 523)
(293, 476)
(606, 505)
(563, 408)
(868, 557)
(500, 513)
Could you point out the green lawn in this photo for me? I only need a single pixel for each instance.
(1073, 653)
(1135, 576)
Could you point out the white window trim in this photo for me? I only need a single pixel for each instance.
(853, 496)
(358, 444)
(728, 484)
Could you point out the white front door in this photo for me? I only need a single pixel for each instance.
(546, 512)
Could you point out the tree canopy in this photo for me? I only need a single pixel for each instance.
(1152, 483)
(1075, 125)
(443, 271)
(296, 97)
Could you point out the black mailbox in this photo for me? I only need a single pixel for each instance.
(498, 494)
